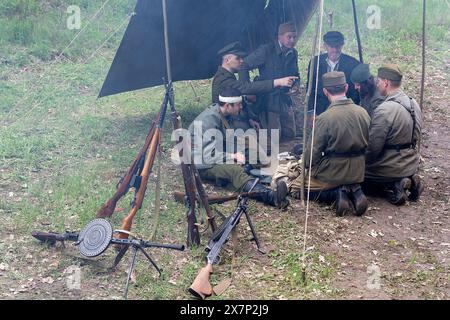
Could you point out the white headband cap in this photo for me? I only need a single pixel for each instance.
(230, 99)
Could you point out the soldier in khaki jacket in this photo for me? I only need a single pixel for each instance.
(218, 164)
(340, 140)
(392, 159)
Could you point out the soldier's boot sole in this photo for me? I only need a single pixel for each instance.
(416, 188)
(342, 203)
(398, 196)
(359, 200)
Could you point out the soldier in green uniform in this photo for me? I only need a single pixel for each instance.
(392, 159)
(274, 60)
(341, 136)
(232, 60)
(366, 85)
(215, 162)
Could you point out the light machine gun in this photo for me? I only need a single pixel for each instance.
(201, 287)
(96, 237)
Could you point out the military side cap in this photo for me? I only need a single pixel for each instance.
(286, 27)
(333, 38)
(333, 78)
(232, 48)
(390, 72)
(360, 73)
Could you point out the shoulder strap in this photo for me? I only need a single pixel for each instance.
(224, 121)
(413, 116)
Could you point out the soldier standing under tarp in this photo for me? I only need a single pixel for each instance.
(275, 60)
(392, 159)
(337, 165)
(366, 85)
(212, 159)
(333, 60)
(232, 59)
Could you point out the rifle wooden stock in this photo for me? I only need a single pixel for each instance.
(193, 235)
(148, 164)
(201, 288)
(203, 198)
(180, 197)
(108, 208)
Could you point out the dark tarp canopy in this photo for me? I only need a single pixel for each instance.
(197, 29)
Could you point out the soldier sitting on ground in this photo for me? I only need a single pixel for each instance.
(217, 164)
(392, 159)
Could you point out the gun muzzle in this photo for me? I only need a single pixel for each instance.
(201, 288)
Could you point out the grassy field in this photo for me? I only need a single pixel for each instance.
(62, 150)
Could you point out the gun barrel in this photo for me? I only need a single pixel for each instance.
(148, 244)
(52, 237)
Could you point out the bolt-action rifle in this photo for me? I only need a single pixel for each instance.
(138, 175)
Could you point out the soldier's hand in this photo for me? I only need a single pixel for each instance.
(284, 82)
(239, 157)
(254, 124)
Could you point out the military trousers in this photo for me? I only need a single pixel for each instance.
(228, 173)
(284, 121)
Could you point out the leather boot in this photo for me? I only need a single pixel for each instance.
(342, 202)
(276, 198)
(416, 188)
(398, 193)
(358, 199)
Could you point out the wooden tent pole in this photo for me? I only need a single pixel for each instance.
(358, 39)
(422, 84)
(166, 42)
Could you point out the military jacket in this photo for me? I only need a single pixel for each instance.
(391, 125)
(340, 140)
(272, 63)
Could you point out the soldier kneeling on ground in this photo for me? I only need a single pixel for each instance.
(337, 162)
(392, 159)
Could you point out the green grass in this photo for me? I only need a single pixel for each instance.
(62, 150)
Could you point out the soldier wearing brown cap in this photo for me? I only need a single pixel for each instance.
(274, 60)
(392, 159)
(341, 136)
(332, 60)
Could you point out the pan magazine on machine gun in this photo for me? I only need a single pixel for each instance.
(201, 287)
(96, 237)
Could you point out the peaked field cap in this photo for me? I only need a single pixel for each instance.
(333, 78)
(286, 27)
(390, 71)
(333, 38)
(360, 73)
(232, 48)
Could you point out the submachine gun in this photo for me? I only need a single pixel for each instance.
(96, 237)
(201, 287)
